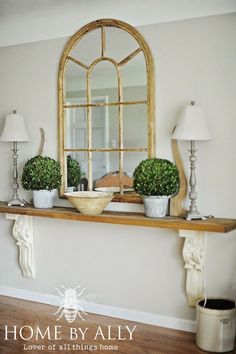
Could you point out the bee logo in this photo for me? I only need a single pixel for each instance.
(70, 306)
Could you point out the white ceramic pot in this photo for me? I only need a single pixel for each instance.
(216, 325)
(155, 206)
(43, 199)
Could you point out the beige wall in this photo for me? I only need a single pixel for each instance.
(130, 267)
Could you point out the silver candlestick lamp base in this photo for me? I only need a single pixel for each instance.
(15, 200)
(193, 213)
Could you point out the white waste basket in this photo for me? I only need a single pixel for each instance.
(216, 325)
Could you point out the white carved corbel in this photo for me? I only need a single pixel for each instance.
(194, 258)
(23, 234)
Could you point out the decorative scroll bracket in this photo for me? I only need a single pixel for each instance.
(194, 258)
(23, 234)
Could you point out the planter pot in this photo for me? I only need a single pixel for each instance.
(216, 325)
(155, 206)
(43, 199)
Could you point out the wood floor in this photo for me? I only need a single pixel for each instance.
(31, 317)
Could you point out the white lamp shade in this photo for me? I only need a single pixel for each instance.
(14, 128)
(192, 124)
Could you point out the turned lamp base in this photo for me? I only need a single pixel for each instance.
(195, 216)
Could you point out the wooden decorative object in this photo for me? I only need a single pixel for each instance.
(113, 180)
(176, 203)
(42, 146)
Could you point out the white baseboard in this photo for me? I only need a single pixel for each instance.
(99, 309)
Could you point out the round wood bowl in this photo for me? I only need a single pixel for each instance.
(91, 203)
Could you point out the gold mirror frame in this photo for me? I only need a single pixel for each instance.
(143, 47)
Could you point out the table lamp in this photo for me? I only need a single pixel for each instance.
(14, 131)
(192, 126)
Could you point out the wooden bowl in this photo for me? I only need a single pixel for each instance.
(90, 203)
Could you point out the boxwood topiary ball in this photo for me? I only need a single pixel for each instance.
(41, 172)
(156, 177)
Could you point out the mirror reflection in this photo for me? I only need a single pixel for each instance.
(106, 106)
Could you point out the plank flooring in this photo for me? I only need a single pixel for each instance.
(29, 316)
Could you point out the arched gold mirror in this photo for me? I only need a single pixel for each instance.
(106, 105)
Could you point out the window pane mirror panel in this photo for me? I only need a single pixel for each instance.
(134, 79)
(75, 81)
(135, 94)
(131, 160)
(104, 78)
(104, 163)
(81, 158)
(135, 126)
(88, 48)
(110, 93)
(119, 43)
(104, 126)
(75, 128)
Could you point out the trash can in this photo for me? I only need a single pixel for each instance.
(216, 325)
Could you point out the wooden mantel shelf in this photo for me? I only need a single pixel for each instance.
(192, 231)
(137, 219)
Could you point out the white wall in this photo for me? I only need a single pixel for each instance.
(26, 21)
(130, 267)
